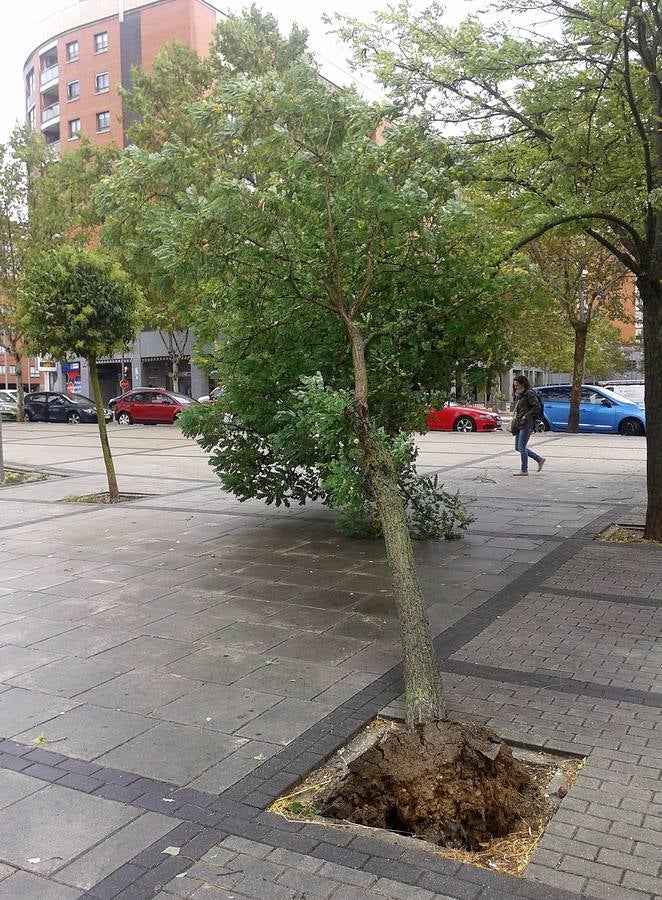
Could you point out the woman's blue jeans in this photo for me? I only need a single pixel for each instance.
(521, 440)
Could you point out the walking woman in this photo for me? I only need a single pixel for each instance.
(527, 410)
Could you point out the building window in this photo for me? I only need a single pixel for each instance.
(73, 90)
(32, 119)
(74, 129)
(101, 83)
(101, 42)
(29, 83)
(12, 370)
(103, 121)
(72, 51)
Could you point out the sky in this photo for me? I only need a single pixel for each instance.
(18, 19)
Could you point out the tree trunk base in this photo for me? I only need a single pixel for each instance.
(453, 784)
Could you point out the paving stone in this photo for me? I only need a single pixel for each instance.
(223, 708)
(153, 651)
(175, 753)
(346, 875)
(448, 885)
(140, 692)
(220, 665)
(33, 827)
(6, 871)
(253, 636)
(26, 886)
(307, 884)
(293, 679)
(121, 847)
(14, 786)
(68, 677)
(30, 630)
(20, 709)
(14, 661)
(298, 861)
(399, 891)
(88, 731)
(613, 891)
(322, 648)
(285, 721)
(243, 845)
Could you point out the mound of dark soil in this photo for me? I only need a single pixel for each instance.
(453, 784)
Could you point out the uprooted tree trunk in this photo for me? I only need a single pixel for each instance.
(113, 490)
(424, 701)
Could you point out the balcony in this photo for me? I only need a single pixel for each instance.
(50, 113)
(49, 75)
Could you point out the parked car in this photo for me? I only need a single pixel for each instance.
(54, 406)
(600, 410)
(211, 397)
(8, 396)
(150, 406)
(8, 407)
(453, 417)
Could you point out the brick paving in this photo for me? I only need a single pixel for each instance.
(186, 658)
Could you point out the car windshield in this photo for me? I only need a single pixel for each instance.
(80, 399)
(181, 398)
(6, 397)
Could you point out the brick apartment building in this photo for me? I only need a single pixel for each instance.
(82, 54)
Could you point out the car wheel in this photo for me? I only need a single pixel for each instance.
(631, 428)
(464, 423)
(74, 418)
(542, 425)
(124, 419)
(27, 415)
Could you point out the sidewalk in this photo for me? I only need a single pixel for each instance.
(184, 659)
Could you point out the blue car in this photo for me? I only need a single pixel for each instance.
(600, 410)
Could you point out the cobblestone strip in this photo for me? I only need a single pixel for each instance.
(601, 597)
(555, 683)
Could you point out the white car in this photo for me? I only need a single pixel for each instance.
(213, 397)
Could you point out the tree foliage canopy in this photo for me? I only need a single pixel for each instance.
(300, 202)
(77, 301)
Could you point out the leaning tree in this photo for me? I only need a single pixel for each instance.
(560, 102)
(346, 282)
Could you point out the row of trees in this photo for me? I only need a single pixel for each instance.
(345, 259)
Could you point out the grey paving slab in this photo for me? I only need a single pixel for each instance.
(26, 886)
(21, 709)
(218, 707)
(16, 660)
(33, 827)
(141, 692)
(285, 721)
(173, 753)
(114, 851)
(85, 640)
(223, 775)
(74, 609)
(292, 678)
(321, 647)
(30, 630)
(20, 602)
(191, 626)
(254, 636)
(222, 665)
(88, 731)
(14, 786)
(69, 676)
(144, 651)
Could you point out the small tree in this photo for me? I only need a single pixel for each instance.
(77, 301)
(582, 280)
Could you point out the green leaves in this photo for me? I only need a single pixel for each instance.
(76, 301)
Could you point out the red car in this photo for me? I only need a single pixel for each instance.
(151, 406)
(462, 418)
